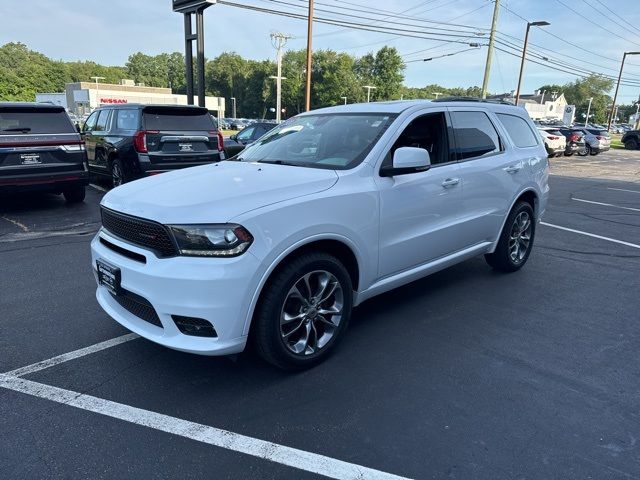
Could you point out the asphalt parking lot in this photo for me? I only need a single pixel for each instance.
(466, 374)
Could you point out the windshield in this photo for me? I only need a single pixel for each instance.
(335, 141)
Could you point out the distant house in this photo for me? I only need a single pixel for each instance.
(540, 105)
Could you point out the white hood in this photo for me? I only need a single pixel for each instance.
(215, 193)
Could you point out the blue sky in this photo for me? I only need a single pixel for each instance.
(108, 31)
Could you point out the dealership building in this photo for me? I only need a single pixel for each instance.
(83, 97)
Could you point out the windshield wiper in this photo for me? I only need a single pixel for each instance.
(279, 162)
(17, 129)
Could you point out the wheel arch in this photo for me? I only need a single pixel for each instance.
(341, 247)
(529, 195)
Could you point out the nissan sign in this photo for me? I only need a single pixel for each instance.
(187, 6)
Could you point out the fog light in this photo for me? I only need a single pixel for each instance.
(196, 327)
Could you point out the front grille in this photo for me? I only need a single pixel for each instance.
(141, 232)
(138, 306)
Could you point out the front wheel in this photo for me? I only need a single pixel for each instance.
(516, 240)
(631, 144)
(303, 311)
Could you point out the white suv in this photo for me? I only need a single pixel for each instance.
(327, 210)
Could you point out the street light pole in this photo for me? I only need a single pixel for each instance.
(279, 40)
(233, 101)
(586, 120)
(615, 95)
(345, 99)
(369, 88)
(97, 90)
(437, 94)
(307, 100)
(524, 52)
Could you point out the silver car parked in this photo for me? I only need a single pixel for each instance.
(596, 141)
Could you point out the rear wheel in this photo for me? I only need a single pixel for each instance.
(303, 312)
(568, 154)
(516, 240)
(118, 173)
(631, 144)
(583, 151)
(74, 194)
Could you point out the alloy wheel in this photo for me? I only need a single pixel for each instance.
(311, 312)
(520, 237)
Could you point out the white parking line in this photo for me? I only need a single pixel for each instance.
(580, 232)
(605, 204)
(65, 357)
(292, 457)
(623, 190)
(98, 187)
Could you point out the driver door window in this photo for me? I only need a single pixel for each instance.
(90, 123)
(245, 135)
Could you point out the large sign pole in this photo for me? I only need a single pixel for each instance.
(188, 8)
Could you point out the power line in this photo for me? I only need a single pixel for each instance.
(630, 24)
(611, 19)
(441, 56)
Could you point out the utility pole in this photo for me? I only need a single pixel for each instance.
(586, 120)
(279, 40)
(309, 38)
(369, 88)
(487, 67)
(97, 90)
(615, 96)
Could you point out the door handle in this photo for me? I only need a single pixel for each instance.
(450, 182)
(513, 168)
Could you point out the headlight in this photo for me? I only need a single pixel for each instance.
(225, 240)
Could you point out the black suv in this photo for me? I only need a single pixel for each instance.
(129, 141)
(631, 140)
(251, 133)
(41, 150)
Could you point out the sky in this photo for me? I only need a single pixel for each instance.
(595, 34)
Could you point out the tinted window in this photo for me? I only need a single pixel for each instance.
(90, 123)
(127, 119)
(595, 131)
(428, 132)
(519, 130)
(14, 121)
(245, 135)
(101, 123)
(177, 119)
(475, 135)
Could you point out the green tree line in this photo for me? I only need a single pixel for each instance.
(335, 75)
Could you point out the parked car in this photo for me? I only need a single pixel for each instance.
(130, 141)
(597, 140)
(326, 210)
(41, 150)
(236, 143)
(554, 142)
(575, 140)
(237, 124)
(631, 140)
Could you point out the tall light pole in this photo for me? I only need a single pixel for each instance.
(97, 90)
(586, 120)
(307, 100)
(615, 95)
(233, 102)
(369, 88)
(437, 94)
(492, 37)
(279, 40)
(541, 23)
(345, 99)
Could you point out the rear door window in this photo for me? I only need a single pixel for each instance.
(14, 121)
(519, 130)
(103, 120)
(475, 135)
(179, 119)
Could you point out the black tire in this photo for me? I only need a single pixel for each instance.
(501, 259)
(74, 194)
(583, 152)
(119, 175)
(568, 154)
(266, 331)
(631, 144)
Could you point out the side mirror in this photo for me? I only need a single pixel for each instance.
(78, 128)
(234, 137)
(407, 160)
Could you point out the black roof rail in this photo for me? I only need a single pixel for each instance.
(471, 99)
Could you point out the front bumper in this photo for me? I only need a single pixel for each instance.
(218, 290)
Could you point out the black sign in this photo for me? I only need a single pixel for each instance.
(186, 6)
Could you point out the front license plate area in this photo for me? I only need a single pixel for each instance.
(109, 276)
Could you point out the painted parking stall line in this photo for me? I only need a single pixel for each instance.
(65, 357)
(623, 190)
(605, 204)
(292, 457)
(593, 235)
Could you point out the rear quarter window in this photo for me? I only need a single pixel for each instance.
(518, 130)
(127, 119)
(34, 121)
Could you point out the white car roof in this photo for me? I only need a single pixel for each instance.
(399, 106)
